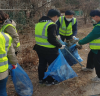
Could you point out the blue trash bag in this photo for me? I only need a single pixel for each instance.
(73, 50)
(22, 82)
(60, 70)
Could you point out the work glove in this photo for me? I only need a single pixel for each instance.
(63, 46)
(58, 37)
(14, 66)
(78, 46)
(73, 37)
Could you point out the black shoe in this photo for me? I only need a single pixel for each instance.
(55, 82)
(51, 83)
(42, 81)
(48, 83)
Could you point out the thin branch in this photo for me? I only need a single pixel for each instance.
(44, 5)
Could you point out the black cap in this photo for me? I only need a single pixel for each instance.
(69, 12)
(53, 12)
(95, 13)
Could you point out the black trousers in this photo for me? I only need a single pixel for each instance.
(65, 37)
(93, 61)
(44, 61)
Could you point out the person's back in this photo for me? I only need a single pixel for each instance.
(8, 26)
(6, 53)
(4, 47)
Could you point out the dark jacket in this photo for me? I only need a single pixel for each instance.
(74, 27)
(52, 31)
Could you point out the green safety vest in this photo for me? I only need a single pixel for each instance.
(41, 34)
(63, 30)
(95, 44)
(5, 43)
(5, 26)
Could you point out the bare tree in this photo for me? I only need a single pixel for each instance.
(62, 5)
(86, 6)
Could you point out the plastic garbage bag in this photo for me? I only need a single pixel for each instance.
(73, 50)
(22, 82)
(60, 70)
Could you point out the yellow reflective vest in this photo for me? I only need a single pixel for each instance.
(5, 26)
(63, 30)
(41, 34)
(95, 44)
(5, 43)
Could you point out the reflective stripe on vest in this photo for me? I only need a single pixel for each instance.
(3, 63)
(6, 39)
(66, 31)
(43, 32)
(95, 44)
(5, 26)
(42, 39)
(42, 43)
(7, 42)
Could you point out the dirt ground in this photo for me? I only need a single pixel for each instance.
(29, 61)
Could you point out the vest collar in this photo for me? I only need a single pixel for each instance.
(46, 21)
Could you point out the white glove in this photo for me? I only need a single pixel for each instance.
(73, 37)
(63, 46)
(77, 44)
(14, 66)
(58, 37)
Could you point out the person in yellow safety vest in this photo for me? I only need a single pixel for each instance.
(47, 44)
(8, 26)
(93, 38)
(6, 53)
(67, 26)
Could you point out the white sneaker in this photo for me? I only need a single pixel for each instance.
(87, 69)
(96, 79)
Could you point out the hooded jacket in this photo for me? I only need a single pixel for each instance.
(11, 52)
(12, 32)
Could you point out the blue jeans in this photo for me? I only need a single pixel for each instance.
(3, 87)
